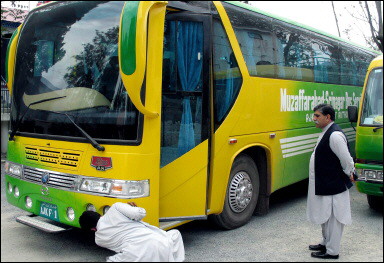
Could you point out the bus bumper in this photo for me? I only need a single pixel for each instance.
(370, 188)
(37, 222)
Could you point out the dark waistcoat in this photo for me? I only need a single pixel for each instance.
(330, 178)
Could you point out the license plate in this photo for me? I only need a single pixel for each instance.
(49, 211)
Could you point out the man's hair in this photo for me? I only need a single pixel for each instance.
(325, 109)
(88, 220)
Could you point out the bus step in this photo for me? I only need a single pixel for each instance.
(33, 221)
(169, 225)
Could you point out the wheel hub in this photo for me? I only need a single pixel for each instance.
(240, 192)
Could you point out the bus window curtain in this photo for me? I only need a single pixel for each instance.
(189, 45)
(228, 95)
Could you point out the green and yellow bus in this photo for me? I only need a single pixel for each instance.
(369, 136)
(194, 110)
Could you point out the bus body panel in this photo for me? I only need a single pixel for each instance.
(184, 170)
(134, 166)
(369, 144)
(11, 58)
(290, 103)
(65, 199)
(184, 184)
(369, 141)
(369, 188)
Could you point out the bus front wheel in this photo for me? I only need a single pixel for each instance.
(375, 202)
(242, 194)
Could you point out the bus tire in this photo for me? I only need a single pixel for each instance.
(375, 202)
(242, 194)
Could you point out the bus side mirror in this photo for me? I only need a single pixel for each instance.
(352, 113)
(10, 59)
(133, 49)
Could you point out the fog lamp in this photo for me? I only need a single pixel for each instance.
(28, 202)
(91, 207)
(70, 213)
(105, 209)
(17, 192)
(10, 188)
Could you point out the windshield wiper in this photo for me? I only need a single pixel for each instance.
(377, 128)
(86, 135)
(17, 125)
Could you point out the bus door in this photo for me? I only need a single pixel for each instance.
(185, 117)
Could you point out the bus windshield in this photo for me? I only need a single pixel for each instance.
(373, 102)
(69, 51)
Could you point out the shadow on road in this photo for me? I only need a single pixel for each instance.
(281, 197)
(289, 193)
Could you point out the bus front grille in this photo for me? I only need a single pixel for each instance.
(54, 179)
(53, 157)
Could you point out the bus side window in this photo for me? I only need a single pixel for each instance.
(362, 64)
(253, 32)
(227, 77)
(294, 53)
(182, 109)
(348, 67)
(334, 66)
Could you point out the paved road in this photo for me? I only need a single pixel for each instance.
(282, 235)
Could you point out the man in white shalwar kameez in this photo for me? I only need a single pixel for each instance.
(122, 231)
(329, 208)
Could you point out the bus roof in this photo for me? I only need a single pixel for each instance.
(254, 9)
(377, 62)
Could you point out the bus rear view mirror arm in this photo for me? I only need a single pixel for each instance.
(132, 68)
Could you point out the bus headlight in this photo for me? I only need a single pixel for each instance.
(374, 175)
(380, 175)
(116, 188)
(13, 169)
(370, 175)
(360, 174)
(97, 186)
(132, 189)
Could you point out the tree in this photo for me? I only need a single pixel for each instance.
(337, 22)
(15, 14)
(367, 13)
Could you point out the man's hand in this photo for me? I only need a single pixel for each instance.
(132, 204)
(351, 178)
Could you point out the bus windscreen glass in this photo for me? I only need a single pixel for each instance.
(67, 62)
(373, 103)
